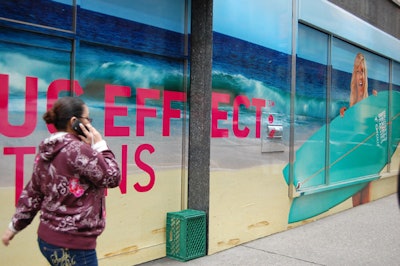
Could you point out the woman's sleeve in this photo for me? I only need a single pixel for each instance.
(102, 168)
(29, 203)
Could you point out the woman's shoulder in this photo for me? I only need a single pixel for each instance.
(73, 143)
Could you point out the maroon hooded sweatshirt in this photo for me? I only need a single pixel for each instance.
(67, 187)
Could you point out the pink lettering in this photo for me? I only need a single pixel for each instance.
(111, 110)
(145, 167)
(30, 121)
(19, 153)
(168, 113)
(239, 100)
(124, 169)
(259, 104)
(217, 115)
(141, 110)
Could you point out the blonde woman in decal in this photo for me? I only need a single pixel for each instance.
(358, 92)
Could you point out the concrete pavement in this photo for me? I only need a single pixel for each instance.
(365, 235)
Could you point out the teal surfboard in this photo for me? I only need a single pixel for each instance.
(358, 150)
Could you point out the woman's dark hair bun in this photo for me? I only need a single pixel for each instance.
(49, 117)
(63, 110)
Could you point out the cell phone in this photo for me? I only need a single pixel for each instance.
(77, 128)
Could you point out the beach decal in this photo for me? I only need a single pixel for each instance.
(358, 148)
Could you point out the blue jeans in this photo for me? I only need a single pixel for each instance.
(58, 256)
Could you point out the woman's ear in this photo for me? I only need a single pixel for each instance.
(72, 120)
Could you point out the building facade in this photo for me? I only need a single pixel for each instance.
(243, 111)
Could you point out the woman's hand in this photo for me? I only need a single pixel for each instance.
(342, 110)
(7, 237)
(92, 135)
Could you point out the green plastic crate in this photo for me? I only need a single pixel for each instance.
(186, 234)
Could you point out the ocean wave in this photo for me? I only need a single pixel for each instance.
(131, 74)
(44, 70)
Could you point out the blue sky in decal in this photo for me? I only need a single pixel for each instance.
(343, 55)
(263, 22)
(159, 13)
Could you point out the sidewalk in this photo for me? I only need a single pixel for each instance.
(365, 235)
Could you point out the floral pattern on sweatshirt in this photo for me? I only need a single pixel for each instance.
(68, 188)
